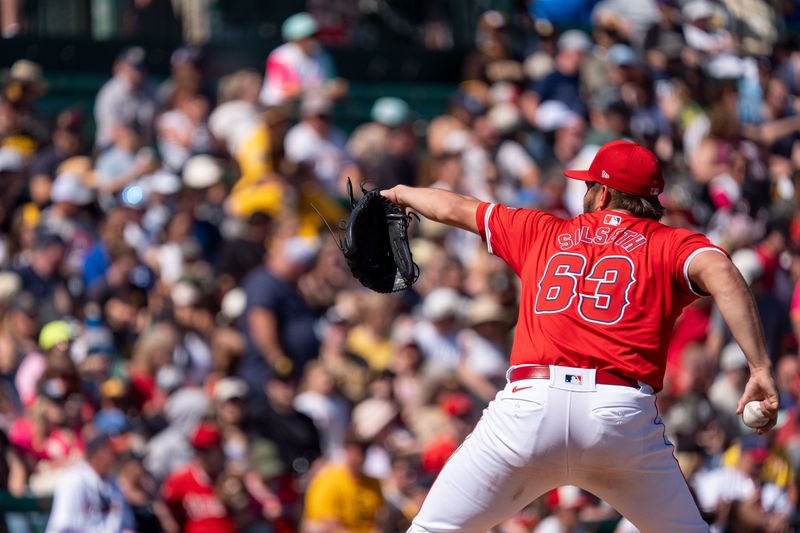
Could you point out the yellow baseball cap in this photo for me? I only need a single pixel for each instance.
(55, 332)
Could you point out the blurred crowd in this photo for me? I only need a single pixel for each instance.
(182, 347)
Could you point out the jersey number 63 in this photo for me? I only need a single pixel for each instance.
(603, 294)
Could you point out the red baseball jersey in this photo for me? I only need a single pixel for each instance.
(601, 290)
(190, 495)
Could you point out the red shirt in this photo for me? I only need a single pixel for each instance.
(601, 290)
(191, 497)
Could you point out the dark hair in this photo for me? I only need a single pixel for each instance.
(638, 206)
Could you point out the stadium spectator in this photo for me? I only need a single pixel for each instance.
(300, 65)
(127, 98)
(278, 324)
(316, 142)
(191, 493)
(341, 497)
(87, 497)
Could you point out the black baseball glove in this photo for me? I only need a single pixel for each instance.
(375, 243)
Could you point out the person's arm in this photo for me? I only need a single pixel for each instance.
(714, 274)
(772, 130)
(264, 329)
(68, 506)
(449, 208)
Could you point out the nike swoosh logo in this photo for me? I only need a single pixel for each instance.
(517, 389)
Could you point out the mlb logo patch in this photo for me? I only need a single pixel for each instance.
(573, 379)
(612, 220)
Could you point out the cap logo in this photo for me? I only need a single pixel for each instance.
(605, 175)
(655, 191)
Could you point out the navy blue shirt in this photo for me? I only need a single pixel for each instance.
(566, 89)
(295, 322)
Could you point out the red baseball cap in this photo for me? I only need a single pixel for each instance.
(626, 167)
(206, 435)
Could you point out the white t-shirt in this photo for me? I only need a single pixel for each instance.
(85, 502)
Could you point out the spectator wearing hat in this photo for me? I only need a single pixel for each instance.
(564, 82)
(437, 331)
(24, 84)
(194, 323)
(55, 336)
(127, 98)
(449, 418)
(340, 497)
(278, 324)
(171, 448)
(185, 65)
(201, 208)
(67, 216)
(42, 277)
(368, 141)
(192, 493)
(397, 161)
(702, 32)
(317, 143)
(330, 412)
(560, 141)
(483, 343)
(66, 141)
(87, 497)
(230, 395)
(273, 486)
(17, 145)
(299, 65)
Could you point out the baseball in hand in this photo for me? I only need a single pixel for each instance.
(753, 416)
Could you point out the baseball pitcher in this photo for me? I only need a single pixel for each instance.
(600, 295)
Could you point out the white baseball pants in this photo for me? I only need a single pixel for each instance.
(540, 434)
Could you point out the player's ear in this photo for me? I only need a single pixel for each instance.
(604, 198)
